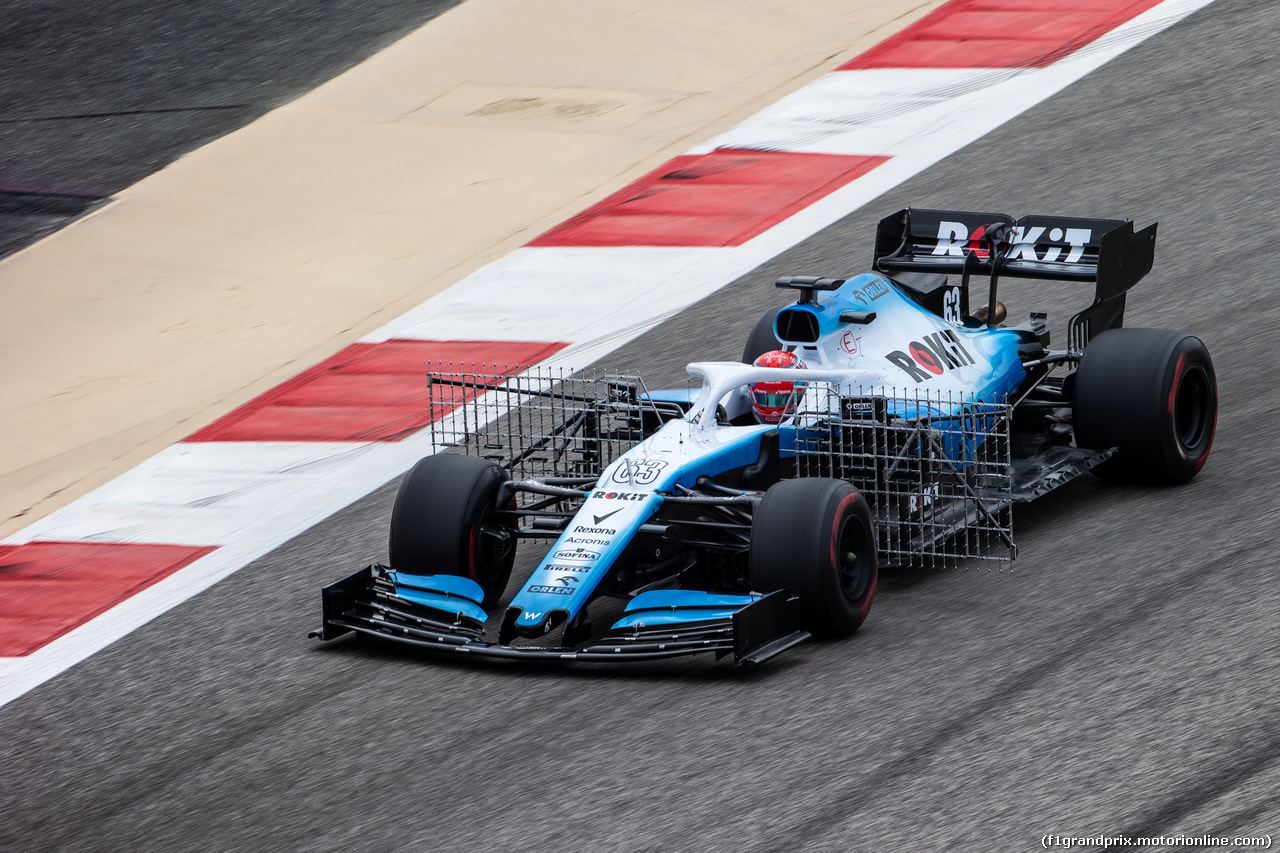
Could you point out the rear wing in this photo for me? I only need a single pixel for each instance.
(1106, 251)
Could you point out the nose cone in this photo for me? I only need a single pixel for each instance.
(529, 624)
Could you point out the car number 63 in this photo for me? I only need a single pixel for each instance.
(640, 473)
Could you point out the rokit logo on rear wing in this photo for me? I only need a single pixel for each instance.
(960, 241)
(954, 239)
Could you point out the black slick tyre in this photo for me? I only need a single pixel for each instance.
(815, 537)
(444, 523)
(1151, 393)
(761, 340)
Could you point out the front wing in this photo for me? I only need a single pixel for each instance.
(368, 604)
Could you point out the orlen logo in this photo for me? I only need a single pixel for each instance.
(870, 292)
(937, 353)
(620, 496)
(551, 590)
(576, 554)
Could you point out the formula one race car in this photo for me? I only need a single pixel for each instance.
(877, 421)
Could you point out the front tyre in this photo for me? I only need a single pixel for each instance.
(445, 523)
(1151, 393)
(815, 537)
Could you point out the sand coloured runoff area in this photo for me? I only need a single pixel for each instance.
(262, 253)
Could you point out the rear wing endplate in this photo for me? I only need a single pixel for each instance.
(1106, 251)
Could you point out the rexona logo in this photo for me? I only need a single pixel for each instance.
(576, 554)
(598, 531)
(936, 354)
(619, 496)
(552, 590)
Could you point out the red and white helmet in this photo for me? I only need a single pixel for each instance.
(774, 400)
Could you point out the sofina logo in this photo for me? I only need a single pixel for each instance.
(577, 554)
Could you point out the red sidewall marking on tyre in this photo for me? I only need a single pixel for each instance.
(835, 531)
(471, 556)
(871, 594)
(1178, 371)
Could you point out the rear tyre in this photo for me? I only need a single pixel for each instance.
(1153, 394)
(444, 522)
(761, 340)
(815, 537)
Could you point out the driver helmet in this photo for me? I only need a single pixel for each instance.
(773, 400)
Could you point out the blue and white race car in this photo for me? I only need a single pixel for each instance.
(876, 421)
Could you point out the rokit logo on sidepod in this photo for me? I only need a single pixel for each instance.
(932, 356)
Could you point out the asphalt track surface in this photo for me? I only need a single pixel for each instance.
(96, 96)
(1120, 680)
